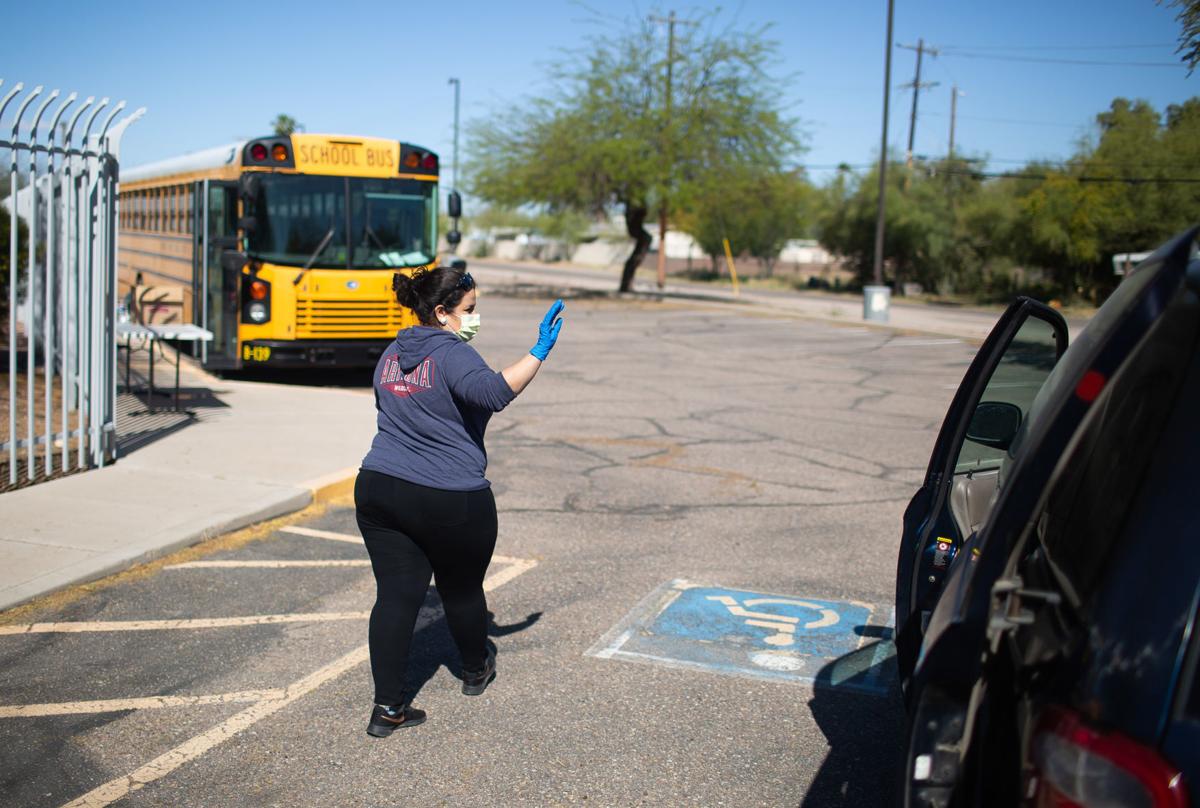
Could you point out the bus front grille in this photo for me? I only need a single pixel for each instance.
(318, 318)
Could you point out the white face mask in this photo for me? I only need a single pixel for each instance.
(468, 328)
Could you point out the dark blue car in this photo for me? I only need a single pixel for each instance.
(1048, 583)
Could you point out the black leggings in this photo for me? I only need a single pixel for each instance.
(412, 532)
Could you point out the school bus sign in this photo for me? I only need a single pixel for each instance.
(322, 154)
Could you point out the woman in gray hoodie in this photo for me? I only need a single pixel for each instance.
(423, 504)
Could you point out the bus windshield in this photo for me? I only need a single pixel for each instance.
(344, 222)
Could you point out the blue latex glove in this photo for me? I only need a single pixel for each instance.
(548, 331)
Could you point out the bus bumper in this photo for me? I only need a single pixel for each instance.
(347, 353)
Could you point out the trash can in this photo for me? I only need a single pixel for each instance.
(876, 303)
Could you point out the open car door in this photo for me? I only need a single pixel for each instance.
(1006, 636)
(991, 403)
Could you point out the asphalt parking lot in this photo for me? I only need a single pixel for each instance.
(699, 510)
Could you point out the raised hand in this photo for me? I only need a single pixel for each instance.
(548, 331)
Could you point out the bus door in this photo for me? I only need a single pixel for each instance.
(218, 285)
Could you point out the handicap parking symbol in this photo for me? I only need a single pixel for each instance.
(734, 631)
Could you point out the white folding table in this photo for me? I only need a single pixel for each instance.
(159, 332)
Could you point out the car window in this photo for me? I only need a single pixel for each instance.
(1020, 374)
(1099, 480)
(1070, 367)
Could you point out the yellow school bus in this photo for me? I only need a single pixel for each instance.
(284, 246)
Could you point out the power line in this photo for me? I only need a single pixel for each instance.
(1045, 60)
(1084, 178)
(1060, 47)
(1007, 120)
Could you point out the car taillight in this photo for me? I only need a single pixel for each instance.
(1081, 767)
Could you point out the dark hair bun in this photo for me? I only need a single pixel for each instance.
(405, 289)
(427, 288)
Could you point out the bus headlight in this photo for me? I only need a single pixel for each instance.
(257, 312)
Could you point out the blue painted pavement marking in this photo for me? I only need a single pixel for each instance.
(833, 643)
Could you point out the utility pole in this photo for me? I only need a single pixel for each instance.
(883, 149)
(916, 86)
(454, 170)
(670, 20)
(954, 94)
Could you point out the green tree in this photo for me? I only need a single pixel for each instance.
(918, 228)
(758, 214)
(1189, 34)
(603, 138)
(286, 125)
(1128, 192)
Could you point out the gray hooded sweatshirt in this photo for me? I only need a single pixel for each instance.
(434, 395)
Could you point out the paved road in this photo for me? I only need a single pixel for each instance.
(663, 442)
(973, 323)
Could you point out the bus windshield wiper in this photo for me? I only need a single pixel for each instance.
(313, 258)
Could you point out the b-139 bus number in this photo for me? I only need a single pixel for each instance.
(256, 353)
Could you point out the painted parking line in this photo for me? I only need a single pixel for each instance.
(789, 638)
(175, 625)
(919, 343)
(313, 533)
(189, 750)
(267, 565)
(143, 703)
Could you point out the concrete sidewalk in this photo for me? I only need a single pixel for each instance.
(255, 451)
(258, 450)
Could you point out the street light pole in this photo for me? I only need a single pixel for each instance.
(883, 144)
(454, 169)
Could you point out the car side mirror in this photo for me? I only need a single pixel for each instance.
(453, 238)
(454, 205)
(995, 424)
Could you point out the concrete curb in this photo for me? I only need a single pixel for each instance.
(155, 545)
(332, 486)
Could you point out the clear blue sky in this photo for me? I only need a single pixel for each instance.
(215, 71)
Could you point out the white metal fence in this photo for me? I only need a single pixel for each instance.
(62, 282)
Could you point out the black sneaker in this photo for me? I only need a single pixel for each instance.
(386, 720)
(475, 682)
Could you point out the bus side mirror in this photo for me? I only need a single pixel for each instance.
(453, 238)
(249, 185)
(454, 206)
(232, 260)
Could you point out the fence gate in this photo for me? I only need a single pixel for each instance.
(61, 279)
